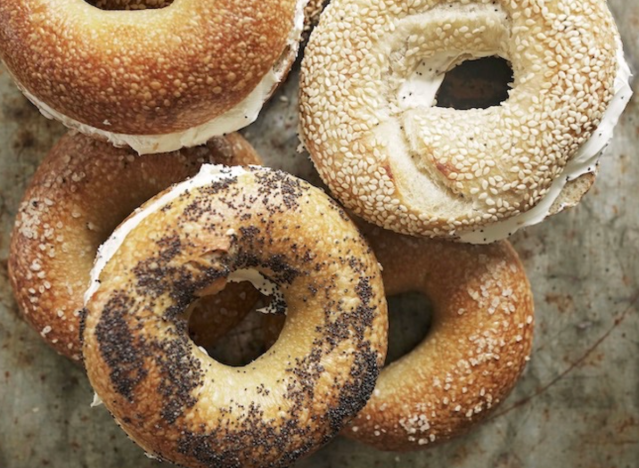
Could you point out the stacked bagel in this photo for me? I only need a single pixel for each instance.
(150, 230)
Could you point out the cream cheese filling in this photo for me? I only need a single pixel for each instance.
(97, 401)
(240, 116)
(584, 161)
(421, 88)
(263, 285)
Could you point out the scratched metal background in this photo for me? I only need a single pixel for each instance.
(576, 406)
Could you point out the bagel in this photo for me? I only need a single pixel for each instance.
(479, 340)
(388, 153)
(293, 242)
(82, 190)
(154, 79)
(312, 12)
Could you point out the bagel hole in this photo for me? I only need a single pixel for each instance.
(129, 5)
(476, 84)
(409, 320)
(247, 339)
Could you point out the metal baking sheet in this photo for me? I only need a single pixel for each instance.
(577, 404)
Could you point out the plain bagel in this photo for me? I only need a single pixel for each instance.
(477, 346)
(158, 77)
(369, 119)
(82, 190)
(223, 225)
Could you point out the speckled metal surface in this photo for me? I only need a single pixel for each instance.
(577, 404)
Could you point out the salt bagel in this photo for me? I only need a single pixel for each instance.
(478, 344)
(82, 190)
(224, 224)
(157, 79)
(369, 79)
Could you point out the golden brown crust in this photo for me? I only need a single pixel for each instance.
(423, 170)
(82, 190)
(474, 353)
(175, 401)
(143, 72)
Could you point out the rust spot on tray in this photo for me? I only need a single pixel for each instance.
(628, 423)
(631, 305)
(562, 302)
(24, 139)
(17, 108)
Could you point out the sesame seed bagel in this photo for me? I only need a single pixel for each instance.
(312, 13)
(478, 344)
(82, 190)
(166, 393)
(160, 76)
(369, 84)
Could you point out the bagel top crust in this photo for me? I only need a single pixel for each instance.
(144, 72)
(58, 228)
(181, 405)
(424, 170)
